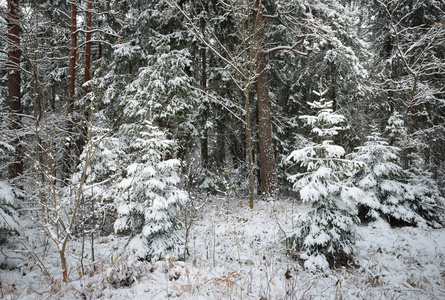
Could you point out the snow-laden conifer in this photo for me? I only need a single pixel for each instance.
(382, 180)
(402, 196)
(9, 218)
(162, 91)
(149, 193)
(327, 231)
(135, 174)
(158, 107)
(421, 193)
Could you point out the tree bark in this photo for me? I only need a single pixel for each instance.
(88, 45)
(249, 150)
(71, 91)
(72, 62)
(14, 84)
(221, 145)
(266, 147)
(333, 87)
(204, 137)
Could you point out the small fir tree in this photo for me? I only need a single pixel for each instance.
(326, 232)
(150, 194)
(423, 196)
(420, 195)
(382, 180)
(133, 173)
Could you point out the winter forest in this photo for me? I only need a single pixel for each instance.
(222, 149)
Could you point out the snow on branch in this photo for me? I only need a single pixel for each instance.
(290, 48)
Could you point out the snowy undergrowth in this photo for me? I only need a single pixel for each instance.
(236, 253)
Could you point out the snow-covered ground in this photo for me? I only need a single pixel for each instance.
(237, 253)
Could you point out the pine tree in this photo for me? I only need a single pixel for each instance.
(162, 92)
(327, 231)
(14, 87)
(339, 57)
(407, 39)
(420, 193)
(381, 181)
(133, 173)
(150, 194)
(398, 195)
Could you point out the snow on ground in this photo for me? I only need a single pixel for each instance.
(237, 253)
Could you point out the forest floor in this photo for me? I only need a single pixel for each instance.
(238, 253)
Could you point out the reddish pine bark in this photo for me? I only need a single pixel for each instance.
(88, 44)
(266, 147)
(67, 157)
(72, 62)
(14, 83)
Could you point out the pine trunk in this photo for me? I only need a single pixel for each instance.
(71, 89)
(266, 148)
(204, 137)
(88, 44)
(72, 63)
(14, 84)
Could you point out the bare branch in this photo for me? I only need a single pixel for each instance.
(289, 48)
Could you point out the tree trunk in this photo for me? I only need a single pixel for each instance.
(71, 89)
(14, 84)
(87, 72)
(204, 137)
(221, 145)
(333, 87)
(249, 150)
(64, 266)
(266, 148)
(72, 63)
(88, 44)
